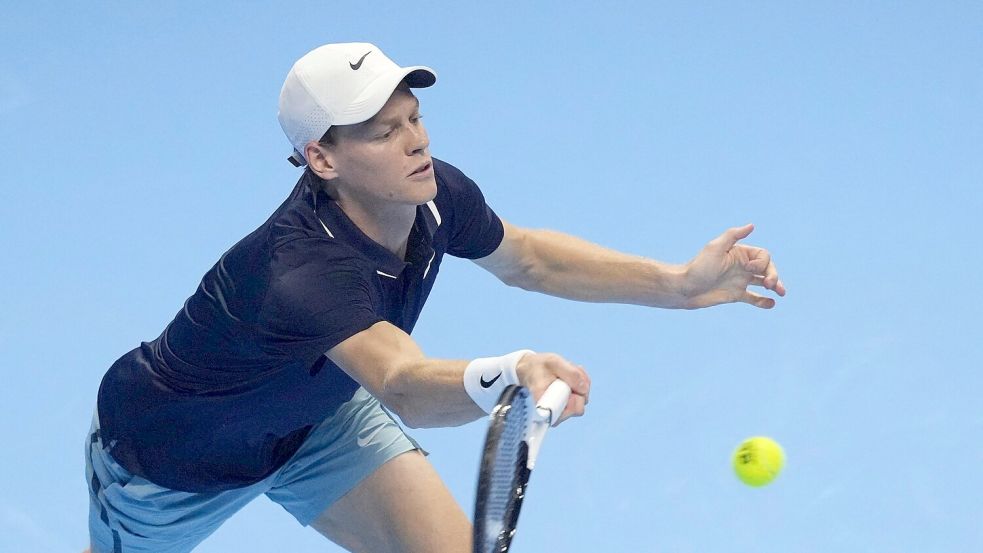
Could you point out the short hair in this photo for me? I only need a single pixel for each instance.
(328, 138)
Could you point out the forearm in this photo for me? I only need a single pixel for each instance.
(423, 391)
(427, 392)
(569, 267)
(430, 393)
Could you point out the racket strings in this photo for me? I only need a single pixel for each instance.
(508, 475)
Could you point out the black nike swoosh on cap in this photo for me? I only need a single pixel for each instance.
(488, 383)
(355, 66)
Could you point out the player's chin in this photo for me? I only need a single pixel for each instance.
(423, 189)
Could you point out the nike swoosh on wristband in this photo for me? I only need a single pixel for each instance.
(355, 66)
(488, 383)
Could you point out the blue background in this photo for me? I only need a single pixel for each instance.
(139, 141)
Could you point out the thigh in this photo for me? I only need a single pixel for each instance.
(336, 455)
(401, 507)
(363, 483)
(129, 514)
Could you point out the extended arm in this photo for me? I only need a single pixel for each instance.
(427, 392)
(565, 266)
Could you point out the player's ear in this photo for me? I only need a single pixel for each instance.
(321, 160)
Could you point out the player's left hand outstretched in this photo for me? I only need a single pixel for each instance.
(723, 270)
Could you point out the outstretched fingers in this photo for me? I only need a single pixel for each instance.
(737, 266)
(763, 269)
(772, 282)
(730, 237)
(757, 300)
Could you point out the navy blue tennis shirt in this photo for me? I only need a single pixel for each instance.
(230, 389)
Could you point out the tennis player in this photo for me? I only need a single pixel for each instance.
(279, 374)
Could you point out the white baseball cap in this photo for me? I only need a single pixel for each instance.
(339, 84)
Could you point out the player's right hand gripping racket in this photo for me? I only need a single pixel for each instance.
(515, 434)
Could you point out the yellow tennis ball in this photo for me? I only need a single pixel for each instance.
(758, 460)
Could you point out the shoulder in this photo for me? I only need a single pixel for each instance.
(448, 173)
(452, 179)
(473, 228)
(454, 188)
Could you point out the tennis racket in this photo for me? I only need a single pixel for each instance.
(515, 434)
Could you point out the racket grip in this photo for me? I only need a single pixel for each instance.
(554, 400)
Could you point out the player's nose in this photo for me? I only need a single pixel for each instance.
(418, 140)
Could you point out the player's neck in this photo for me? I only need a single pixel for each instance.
(387, 225)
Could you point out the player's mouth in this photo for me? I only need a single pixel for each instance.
(424, 170)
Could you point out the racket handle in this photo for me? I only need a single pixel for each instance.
(554, 400)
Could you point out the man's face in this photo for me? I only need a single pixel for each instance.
(385, 160)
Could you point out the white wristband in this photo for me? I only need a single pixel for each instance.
(485, 378)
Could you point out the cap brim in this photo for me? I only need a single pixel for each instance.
(377, 93)
(420, 77)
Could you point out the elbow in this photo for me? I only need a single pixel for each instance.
(516, 261)
(519, 279)
(528, 269)
(530, 278)
(400, 403)
(412, 417)
(400, 406)
(523, 274)
(412, 421)
(417, 413)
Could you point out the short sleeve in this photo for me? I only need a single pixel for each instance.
(475, 230)
(317, 299)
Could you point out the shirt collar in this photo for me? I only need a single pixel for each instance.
(337, 225)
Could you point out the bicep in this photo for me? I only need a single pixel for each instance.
(512, 260)
(373, 355)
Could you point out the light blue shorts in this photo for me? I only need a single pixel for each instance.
(128, 513)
